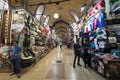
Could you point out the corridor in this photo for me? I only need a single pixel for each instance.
(57, 65)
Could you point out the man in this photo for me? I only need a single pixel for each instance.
(15, 59)
(85, 55)
(77, 54)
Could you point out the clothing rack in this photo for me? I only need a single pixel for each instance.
(91, 17)
(94, 15)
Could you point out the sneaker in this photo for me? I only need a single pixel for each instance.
(18, 75)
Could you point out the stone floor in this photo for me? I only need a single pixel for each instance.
(57, 65)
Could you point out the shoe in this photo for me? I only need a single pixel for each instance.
(79, 64)
(18, 75)
(12, 74)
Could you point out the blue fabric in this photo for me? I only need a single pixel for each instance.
(115, 51)
(16, 50)
(92, 44)
(82, 31)
(15, 65)
(91, 35)
(91, 24)
(101, 22)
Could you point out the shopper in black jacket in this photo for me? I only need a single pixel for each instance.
(85, 55)
(77, 54)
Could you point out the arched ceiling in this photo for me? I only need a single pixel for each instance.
(62, 9)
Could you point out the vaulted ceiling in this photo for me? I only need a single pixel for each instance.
(62, 9)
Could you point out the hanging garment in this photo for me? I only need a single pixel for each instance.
(101, 22)
(90, 13)
(87, 28)
(101, 33)
(92, 44)
(96, 45)
(91, 24)
(101, 44)
(100, 5)
(95, 23)
(21, 39)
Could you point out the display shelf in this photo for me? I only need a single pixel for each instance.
(10, 32)
(104, 67)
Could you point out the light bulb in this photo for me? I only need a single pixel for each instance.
(56, 15)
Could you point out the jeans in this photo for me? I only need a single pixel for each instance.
(16, 65)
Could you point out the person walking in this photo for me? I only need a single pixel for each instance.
(77, 54)
(15, 59)
(85, 55)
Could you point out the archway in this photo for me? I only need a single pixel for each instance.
(69, 30)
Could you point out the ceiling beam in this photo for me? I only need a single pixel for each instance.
(18, 0)
(56, 2)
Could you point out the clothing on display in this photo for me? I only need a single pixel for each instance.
(112, 39)
(101, 33)
(92, 44)
(101, 44)
(21, 39)
(101, 67)
(19, 32)
(91, 24)
(95, 23)
(96, 45)
(101, 22)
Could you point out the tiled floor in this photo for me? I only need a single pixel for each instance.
(57, 65)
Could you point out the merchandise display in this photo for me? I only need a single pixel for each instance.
(103, 41)
(98, 34)
(25, 30)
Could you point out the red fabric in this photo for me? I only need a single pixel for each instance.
(91, 13)
(47, 29)
(99, 5)
(87, 30)
(109, 57)
(95, 23)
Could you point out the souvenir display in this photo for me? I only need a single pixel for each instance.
(16, 26)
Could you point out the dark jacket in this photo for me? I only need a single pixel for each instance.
(77, 49)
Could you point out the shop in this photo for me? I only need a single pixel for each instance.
(34, 39)
(102, 31)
